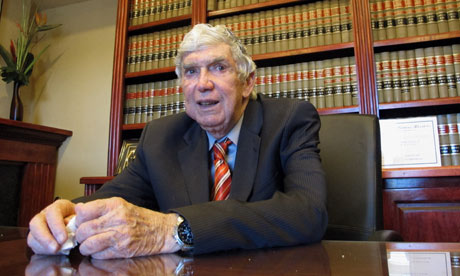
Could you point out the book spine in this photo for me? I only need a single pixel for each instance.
(144, 102)
(421, 72)
(404, 76)
(157, 100)
(454, 139)
(345, 21)
(347, 88)
(298, 82)
(382, 23)
(313, 25)
(450, 71)
(298, 25)
(269, 82)
(387, 80)
(354, 83)
(150, 98)
(400, 19)
(421, 17)
(395, 76)
(453, 15)
(315, 83)
(411, 18)
(456, 55)
(379, 74)
(430, 12)
(430, 59)
(328, 83)
(327, 22)
(389, 19)
(291, 31)
(305, 27)
(441, 74)
(284, 29)
(413, 75)
(320, 76)
(441, 16)
(337, 72)
(443, 131)
(292, 80)
(373, 6)
(320, 28)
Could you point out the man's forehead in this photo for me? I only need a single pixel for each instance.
(208, 55)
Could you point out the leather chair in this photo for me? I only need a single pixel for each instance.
(351, 157)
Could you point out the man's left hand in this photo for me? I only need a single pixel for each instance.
(114, 228)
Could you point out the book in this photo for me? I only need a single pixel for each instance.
(404, 76)
(421, 17)
(453, 15)
(430, 59)
(441, 16)
(441, 74)
(456, 55)
(454, 138)
(444, 146)
(450, 71)
(412, 72)
(395, 76)
(421, 72)
(430, 13)
(390, 28)
(400, 18)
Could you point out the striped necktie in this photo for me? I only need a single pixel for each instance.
(222, 174)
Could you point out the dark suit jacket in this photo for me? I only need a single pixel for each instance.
(278, 193)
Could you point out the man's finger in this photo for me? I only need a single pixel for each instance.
(55, 215)
(40, 236)
(94, 209)
(97, 243)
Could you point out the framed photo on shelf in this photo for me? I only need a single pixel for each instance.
(127, 154)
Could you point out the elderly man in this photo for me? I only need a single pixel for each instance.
(238, 170)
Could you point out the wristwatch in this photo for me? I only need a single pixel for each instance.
(183, 234)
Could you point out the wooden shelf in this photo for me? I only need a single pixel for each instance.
(95, 179)
(417, 39)
(420, 103)
(183, 19)
(421, 172)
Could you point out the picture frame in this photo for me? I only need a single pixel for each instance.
(410, 142)
(127, 154)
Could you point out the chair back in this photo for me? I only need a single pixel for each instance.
(351, 157)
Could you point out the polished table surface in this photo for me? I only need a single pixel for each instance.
(325, 258)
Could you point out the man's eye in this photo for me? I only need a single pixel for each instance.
(219, 67)
(189, 71)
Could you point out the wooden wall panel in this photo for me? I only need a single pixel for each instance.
(424, 214)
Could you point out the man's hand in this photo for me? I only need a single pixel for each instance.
(114, 228)
(47, 228)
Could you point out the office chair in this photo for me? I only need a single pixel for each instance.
(351, 158)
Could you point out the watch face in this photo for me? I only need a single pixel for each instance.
(185, 233)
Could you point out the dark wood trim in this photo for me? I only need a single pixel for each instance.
(364, 56)
(422, 172)
(163, 22)
(118, 83)
(417, 39)
(198, 11)
(420, 103)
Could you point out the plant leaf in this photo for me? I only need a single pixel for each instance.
(43, 28)
(7, 57)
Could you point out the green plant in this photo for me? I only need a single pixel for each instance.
(20, 61)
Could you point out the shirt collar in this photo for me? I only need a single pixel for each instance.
(233, 135)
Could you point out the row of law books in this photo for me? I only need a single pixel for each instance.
(449, 138)
(154, 50)
(147, 101)
(301, 26)
(213, 5)
(418, 74)
(325, 83)
(145, 11)
(403, 18)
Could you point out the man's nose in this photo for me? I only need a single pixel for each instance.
(205, 82)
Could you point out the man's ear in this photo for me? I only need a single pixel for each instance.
(249, 85)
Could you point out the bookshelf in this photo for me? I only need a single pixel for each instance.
(362, 48)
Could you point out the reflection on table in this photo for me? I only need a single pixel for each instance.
(325, 258)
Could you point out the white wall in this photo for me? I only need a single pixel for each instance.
(70, 86)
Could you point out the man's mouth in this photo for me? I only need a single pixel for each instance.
(207, 103)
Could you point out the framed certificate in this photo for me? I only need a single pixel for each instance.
(410, 142)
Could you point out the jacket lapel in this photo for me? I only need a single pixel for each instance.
(193, 158)
(248, 152)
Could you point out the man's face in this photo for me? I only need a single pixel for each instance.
(214, 96)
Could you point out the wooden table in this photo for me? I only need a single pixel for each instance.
(325, 258)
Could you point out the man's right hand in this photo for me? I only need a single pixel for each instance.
(47, 228)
